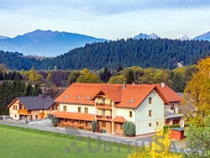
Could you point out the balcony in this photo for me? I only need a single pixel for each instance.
(104, 118)
(103, 106)
(24, 112)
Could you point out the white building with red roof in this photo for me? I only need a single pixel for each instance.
(147, 106)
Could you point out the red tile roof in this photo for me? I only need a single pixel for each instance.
(129, 97)
(75, 116)
(119, 119)
(167, 94)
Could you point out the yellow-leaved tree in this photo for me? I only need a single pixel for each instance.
(196, 97)
(159, 148)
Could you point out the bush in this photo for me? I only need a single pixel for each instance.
(166, 128)
(129, 128)
(54, 121)
(93, 128)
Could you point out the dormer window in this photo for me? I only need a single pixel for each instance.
(79, 97)
(131, 101)
(66, 96)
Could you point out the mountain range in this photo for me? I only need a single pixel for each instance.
(45, 43)
(53, 43)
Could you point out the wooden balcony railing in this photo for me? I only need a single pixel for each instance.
(24, 112)
(103, 106)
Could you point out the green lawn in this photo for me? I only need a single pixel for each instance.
(18, 142)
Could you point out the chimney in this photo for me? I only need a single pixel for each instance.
(162, 84)
(124, 86)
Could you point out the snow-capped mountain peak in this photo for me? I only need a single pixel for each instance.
(183, 38)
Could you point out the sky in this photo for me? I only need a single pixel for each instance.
(109, 19)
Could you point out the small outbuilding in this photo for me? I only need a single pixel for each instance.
(177, 133)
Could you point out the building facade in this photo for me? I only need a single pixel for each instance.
(110, 105)
(32, 108)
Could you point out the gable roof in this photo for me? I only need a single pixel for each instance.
(131, 96)
(35, 102)
(167, 94)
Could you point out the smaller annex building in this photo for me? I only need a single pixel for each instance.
(110, 105)
(32, 107)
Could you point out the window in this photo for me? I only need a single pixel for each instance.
(79, 97)
(103, 112)
(172, 107)
(130, 114)
(64, 108)
(66, 96)
(131, 101)
(103, 100)
(110, 102)
(86, 110)
(150, 113)
(150, 124)
(88, 98)
(150, 100)
(14, 107)
(103, 124)
(79, 109)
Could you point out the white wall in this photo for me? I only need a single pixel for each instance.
(125, 113)
(74, 108)
(143, 119)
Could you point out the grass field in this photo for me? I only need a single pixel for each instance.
(19, 142)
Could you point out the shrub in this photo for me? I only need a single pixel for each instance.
(129, 128)
(54, 121)
(168, 127)
(93, 128)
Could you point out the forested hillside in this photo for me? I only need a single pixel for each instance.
(16, 61)
(157, 53)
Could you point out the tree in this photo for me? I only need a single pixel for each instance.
(119, 79)
(88, 77)
(119, 68)
(54, 121)
(130, 77)
(29, 90)
(105, 75)
(129, 128)
(3, 68)
(36, 90)
(178, 79)
(94, 125)
(73, 77)
(199, 140)
(33, 76)
(196, 97)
